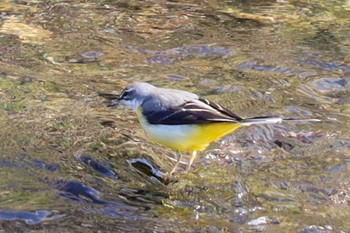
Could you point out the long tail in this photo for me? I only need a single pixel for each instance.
(272, 120)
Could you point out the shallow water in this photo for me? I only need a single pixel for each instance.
(69, 163)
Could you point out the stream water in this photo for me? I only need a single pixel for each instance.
(70, 164)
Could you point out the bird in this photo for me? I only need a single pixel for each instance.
(183, 121)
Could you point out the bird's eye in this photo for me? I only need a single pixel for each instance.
(124, 95)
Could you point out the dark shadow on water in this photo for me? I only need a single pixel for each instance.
(95, 165)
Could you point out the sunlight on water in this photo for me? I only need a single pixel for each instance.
(27, 34)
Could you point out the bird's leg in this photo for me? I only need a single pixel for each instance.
(179, 156)
(193, 156)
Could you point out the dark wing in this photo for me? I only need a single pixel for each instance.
(221, 109)
(200, 112)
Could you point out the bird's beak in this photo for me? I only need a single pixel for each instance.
(114, 103)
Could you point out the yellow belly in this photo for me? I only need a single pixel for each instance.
(187, 137)
(207, 133)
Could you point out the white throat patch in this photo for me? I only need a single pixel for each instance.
(133, 104)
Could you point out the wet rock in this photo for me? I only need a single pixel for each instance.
(3, 73)
(146, 168)
(50, 167)
(176, 77)
(28, 217)
(253, 65)
(225, 89)
(328, 85)
(296, 110)
(342, 195)
(336, 169)
(73, 60)
(207, 82)
(324, 65)
(108, 123)
(78, 191)
(317, 194)
(259, 221)
(278, 197)
(256, 17)
(306, 136)
(170, 56)
(286, 70)
(27, 79)
(316, 229)
(6, 163)
(92, 54)
(142, 197)
(307, 74)
(240, 216)
(87, 57)
(96, 166)
(285, 145)
(24, 161)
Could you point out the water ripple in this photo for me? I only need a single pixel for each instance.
(173, 55)
(28, 217)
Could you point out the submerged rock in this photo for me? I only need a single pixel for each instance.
(328, 85)
(259, 221)
(90, 56)
(173, 55)
(28, 217)
(96, 166)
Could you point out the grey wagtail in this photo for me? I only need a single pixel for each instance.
(183, 121)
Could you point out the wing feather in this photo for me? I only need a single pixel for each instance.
(198, 111)
(221, 109)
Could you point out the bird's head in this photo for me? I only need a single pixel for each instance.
(133, 95)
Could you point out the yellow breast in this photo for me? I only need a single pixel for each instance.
(186, 137)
